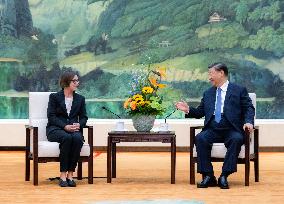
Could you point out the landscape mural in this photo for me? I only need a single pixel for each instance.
(106, 41)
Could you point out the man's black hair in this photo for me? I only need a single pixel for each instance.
(219, 66)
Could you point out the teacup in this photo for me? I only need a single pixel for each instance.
(119, 126)
(164, 127)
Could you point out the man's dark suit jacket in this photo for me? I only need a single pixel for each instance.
(238, 107)
(57, 112)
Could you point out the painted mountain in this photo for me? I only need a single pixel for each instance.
(106, 41)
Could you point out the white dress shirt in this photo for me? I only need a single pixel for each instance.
(224, 88)
(68, 103)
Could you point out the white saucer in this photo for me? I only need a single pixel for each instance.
(124, 130)
(158, 130)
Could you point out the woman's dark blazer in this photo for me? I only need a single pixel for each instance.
(57, 112)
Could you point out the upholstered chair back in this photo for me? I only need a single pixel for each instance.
(38, 102)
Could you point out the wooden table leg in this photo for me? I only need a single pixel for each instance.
(173, 160)
(109, 147)
(113, 160)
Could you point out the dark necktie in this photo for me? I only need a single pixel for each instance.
(218, 106)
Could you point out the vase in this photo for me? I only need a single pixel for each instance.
(143, 123)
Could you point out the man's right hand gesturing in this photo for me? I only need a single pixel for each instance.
(182, 106)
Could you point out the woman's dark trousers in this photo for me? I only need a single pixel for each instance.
(70, 144)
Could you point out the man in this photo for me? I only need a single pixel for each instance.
(228, 111)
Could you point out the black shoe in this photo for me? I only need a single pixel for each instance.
(71, 183)
(208, 181)
(223, 183)
(62, 183)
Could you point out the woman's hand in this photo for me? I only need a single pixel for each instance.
(76, 126)
(72, 128)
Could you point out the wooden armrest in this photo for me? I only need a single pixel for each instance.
(197, 127)
(88, 126)
(192, 136)
(34, 136)
(28, 131)
(90, 135)
(29, 127)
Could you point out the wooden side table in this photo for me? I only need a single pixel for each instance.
(133, 136)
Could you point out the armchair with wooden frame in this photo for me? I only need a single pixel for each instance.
(39, 149)
(249, 151)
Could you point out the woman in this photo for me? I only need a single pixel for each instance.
(66, 114)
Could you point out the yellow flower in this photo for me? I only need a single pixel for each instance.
(133, 105)
(137, 97)
(147, 90)
(141, 103)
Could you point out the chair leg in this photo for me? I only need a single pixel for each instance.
(27, 176)
(79, 170)
(35, 172)
(256, 156)
(247, 157)
(90, 169)
(256, 169)
(247, 168)
(192, 172)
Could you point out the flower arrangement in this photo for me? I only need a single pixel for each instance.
(144, 98)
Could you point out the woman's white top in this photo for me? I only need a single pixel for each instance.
(68, 103)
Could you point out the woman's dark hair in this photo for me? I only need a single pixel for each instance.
(219, 66)
(66, 78)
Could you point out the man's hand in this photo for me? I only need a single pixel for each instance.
(182, 106)
(72, 128)
(248, 126)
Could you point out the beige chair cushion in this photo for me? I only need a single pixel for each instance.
(219, 150)
(51, 149)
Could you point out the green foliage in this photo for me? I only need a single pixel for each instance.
(13, 107)
(192, 89)
(271, 12)
(9, 71)
(41, 51)
(119, 86)
(242, 11)
(74, 32)
(93, 1)
(253, 28)
(156, 104)
(109, 18)
(222, 36)
(12, 47)
(266, 39)
(94, 109)
(96, 88)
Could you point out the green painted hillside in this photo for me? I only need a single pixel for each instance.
(106, 40)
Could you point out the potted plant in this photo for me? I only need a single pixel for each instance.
(144, 103)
